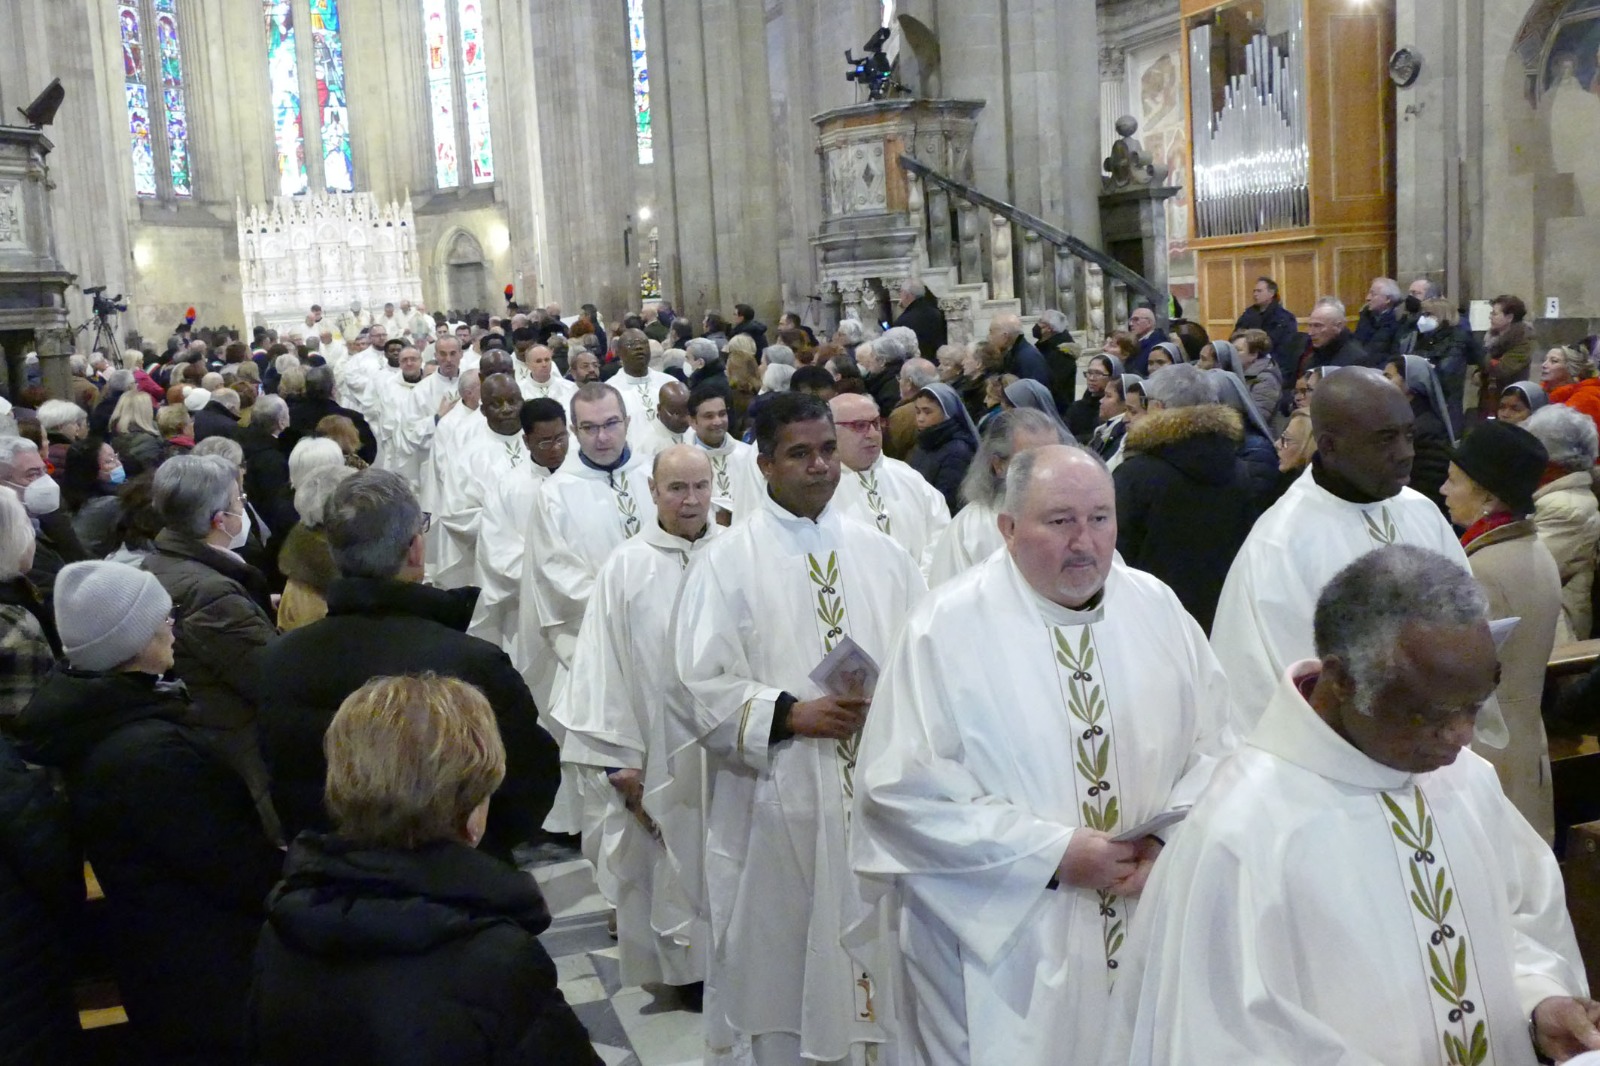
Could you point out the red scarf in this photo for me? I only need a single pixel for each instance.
(1485, 524)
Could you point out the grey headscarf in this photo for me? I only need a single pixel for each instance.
(1532, 393)
(1227, 357)
(950, 402)
(1026, 392)
(1232, 390)
(1421, 380)
(1174, 349)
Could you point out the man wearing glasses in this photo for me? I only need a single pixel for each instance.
(578, 516)
(884, 493)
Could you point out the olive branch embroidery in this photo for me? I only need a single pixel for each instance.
(1434, 899)
(719, 466)
(869, 482)
(1384, 534)
(514, 453)
(627, 508)
(648, 401)
(1087, 705)
(830, 612)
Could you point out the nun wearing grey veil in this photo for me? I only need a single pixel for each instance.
(1260, 455)
(1433, 437)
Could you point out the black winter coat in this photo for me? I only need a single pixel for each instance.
(1025, 361)
(1277, 322)
(407, 958)
(305, 413)
(1431, 464)
(942, 455)
(757, 331)
(1083, 415)
(1184, 501)
(1379, 334)
(174, 839)
(883, 385)
(1260, 458)
(379, 628)
(1345, 350)
(923, 317)
(1063, 366)
(41, 889)
(215, 420)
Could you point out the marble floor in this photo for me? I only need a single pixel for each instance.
(630, 1026)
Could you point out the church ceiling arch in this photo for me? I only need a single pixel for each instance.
(461, 248)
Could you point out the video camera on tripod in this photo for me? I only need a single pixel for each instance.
(105, 306)
(873, 69)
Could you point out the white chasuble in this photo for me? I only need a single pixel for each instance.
(657, 438)
(737, 484)
(497, 571)
(895, 499)
(1002, 724)
(760, 608)
(408, 420)
(462, 421)
(1263, 622)
(640, 397)
(556, 388)
(466, 476)
(623, 678)
(1319, 906)
(971, 537)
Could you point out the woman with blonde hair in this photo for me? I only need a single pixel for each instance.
(392, 939)
(1568, 377)
(342, 432)
(744, 381)
(305, 560)
(134, 435)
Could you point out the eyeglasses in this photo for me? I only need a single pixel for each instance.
(611, 425)
(1095, 374)
(860, 425)
(553, 444)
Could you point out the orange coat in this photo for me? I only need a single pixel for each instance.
(1580, 396)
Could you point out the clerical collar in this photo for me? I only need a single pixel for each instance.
(631, 380)
(671, 541)
(1339, 486)
(1057, 615)
(725, 446)
(609, 468)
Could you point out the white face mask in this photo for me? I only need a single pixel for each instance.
(236, 541)
(1427, 324)
(42, 496)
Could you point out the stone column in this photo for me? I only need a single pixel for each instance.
(583, 76)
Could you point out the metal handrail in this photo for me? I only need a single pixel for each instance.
(1052, 234)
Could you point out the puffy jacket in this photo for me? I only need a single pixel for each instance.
(381, 957)
(941, 456)
(1568, 520)
(175, 841)
(1184, 501)
(1580, 396)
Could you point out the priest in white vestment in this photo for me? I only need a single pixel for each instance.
(539, 380)
(1351, 499)
(974, 533)
(671, 427)
(738, 486)
(359, 377)
(880, 491)
(762, 607)
(1037, 709)
(650, 852)
(1354, 888)
(393, 323)
(497, 572)
(637, 384)
(466, 475)
(411, 416)
(353, 321)
(579, 516)
(418, 322)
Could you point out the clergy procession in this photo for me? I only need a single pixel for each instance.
(892, 729)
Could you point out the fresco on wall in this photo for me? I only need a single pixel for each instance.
(1155, 86)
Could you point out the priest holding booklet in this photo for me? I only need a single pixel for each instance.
(1035, 708)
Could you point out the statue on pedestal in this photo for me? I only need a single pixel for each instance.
(1127, 165)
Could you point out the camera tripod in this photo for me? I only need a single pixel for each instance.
(105, 338)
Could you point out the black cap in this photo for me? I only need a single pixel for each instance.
(1506, 460)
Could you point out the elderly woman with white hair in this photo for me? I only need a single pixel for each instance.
(29, 646)
(62, 423)
(1565, 512)
(305, 559)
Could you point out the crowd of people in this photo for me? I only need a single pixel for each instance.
(306, 638)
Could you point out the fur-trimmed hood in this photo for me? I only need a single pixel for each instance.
(1202, 442)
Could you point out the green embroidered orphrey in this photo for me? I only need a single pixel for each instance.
(1451, 970)
(1094, 763)
(869, 483)
(626, 507)
(648, 400)
(830, 623)
(1381, 529)
(515, 451)
(719, 467)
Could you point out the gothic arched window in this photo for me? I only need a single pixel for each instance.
(454, 39)
(331, 121)
(641, 81)
(158, 121)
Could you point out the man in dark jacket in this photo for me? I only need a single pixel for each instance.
(881, 362)
(382, 621)
(1021, 358)
(1332, 343)
(1184, 503)
(1055, 345)
(171, 830)
(1268, 315)
(1142, 324)
(318, 403)
(745, 322)
(920, 313)
(215, 420)
(1377, 327)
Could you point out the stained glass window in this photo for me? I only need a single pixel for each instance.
(441, 95)
(333, 108)
(138, 99)
(283, 78)
(641, 81)
(172, 96)
(475, 81)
